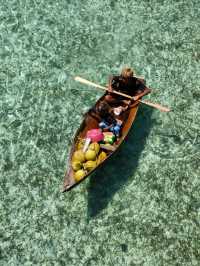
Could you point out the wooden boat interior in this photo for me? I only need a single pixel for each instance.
(91, 122)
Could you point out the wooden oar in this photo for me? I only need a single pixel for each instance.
(155, 105)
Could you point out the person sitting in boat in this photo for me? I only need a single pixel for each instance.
(127, 84)
(108, 120)
(106, 117)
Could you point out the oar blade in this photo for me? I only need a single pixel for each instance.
(79, 79)
(87, 82)
(156, 105)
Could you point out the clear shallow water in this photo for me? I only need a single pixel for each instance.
(143, 207)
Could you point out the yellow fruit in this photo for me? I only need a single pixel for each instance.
(102, 156)
(76, 165)
(90, 155)
(95, 147)
(89, 165)
(80, 144)
(78, 156)
(79, 175)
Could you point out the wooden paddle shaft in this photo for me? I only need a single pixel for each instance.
(155, 105)
(101, 87)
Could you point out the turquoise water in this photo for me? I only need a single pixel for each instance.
(143, 207)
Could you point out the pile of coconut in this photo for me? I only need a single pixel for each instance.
(84, 162)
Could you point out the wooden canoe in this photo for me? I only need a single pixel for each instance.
(91, 122)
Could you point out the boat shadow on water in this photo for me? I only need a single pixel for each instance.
(112, 176)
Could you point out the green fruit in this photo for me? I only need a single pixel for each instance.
(78, 156)
(109, 139)
(89, 165)
(79, 175)
(95, 147)
(76, 165)
(90, 155)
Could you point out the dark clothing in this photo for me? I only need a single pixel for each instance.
(103, 115)
(128, 86)
(106, 116)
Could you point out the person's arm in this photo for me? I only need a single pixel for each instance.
(141, 94)
(141, 80)
(142, 89)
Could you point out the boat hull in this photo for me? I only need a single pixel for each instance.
(88, 123)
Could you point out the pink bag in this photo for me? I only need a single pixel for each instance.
(95, 135)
